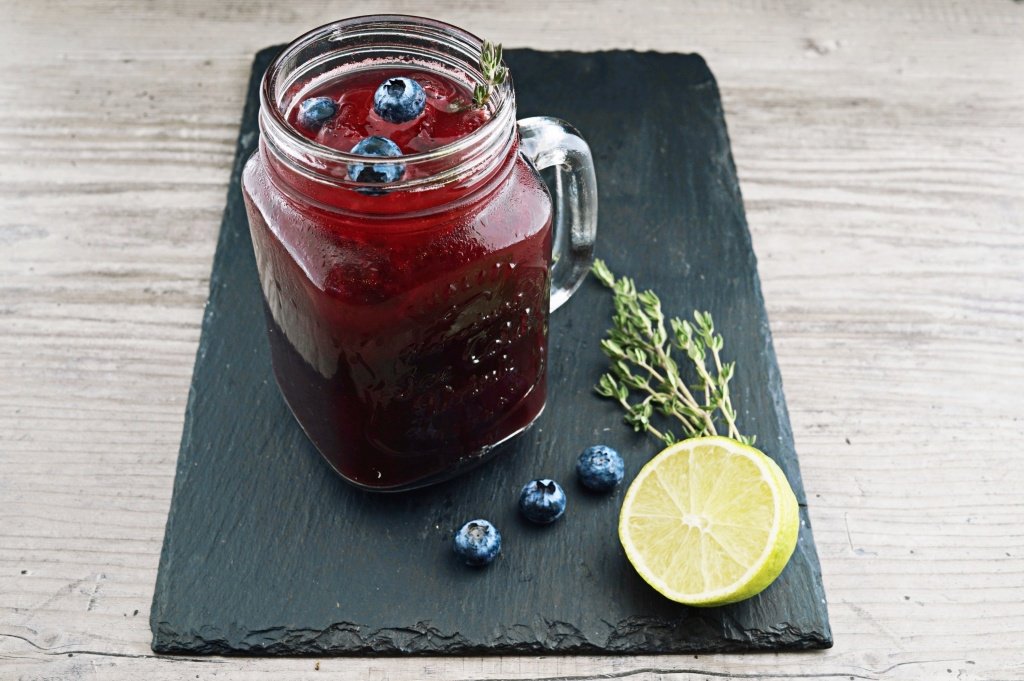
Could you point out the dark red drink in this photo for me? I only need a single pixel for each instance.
(408, 314)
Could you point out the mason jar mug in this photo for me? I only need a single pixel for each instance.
(407, 308)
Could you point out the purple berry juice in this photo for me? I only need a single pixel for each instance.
(407, 324)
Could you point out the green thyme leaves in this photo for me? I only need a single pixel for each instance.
(645, 378)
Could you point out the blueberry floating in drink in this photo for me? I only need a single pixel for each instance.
(316, 111)
(376, 172)
(399, 100)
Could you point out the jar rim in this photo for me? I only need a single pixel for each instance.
(274, 123)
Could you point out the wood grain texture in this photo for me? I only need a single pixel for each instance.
(879, 149)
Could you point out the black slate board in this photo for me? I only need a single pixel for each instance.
(268, 552)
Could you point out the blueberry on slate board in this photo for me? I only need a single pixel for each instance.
(542, 501)
(399, 100)
(376, 172)
(478, 542)
(315, 111)
(600, 468)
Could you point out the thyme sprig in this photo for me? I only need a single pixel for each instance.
(494, 74)
(645, 378)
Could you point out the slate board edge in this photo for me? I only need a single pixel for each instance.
(345, 638)
(778, 395)
(243, 148)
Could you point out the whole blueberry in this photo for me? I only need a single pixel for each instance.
(315, 111)
(542, 501)
(376, 172)
(399, 100)
(600, 468)
(478, 542)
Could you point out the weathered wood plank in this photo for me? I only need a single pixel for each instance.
(878, 147)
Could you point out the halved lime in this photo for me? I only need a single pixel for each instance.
(709, 521)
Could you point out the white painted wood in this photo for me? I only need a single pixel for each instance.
(880, 149)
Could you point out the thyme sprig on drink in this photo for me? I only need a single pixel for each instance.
(494, 74)
(645, 378)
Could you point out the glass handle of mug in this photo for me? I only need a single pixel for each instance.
(553, 143)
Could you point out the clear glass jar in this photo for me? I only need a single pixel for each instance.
(408, 327)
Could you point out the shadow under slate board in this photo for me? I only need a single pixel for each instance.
(268, 552)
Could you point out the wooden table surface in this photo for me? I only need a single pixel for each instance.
(879, 147)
